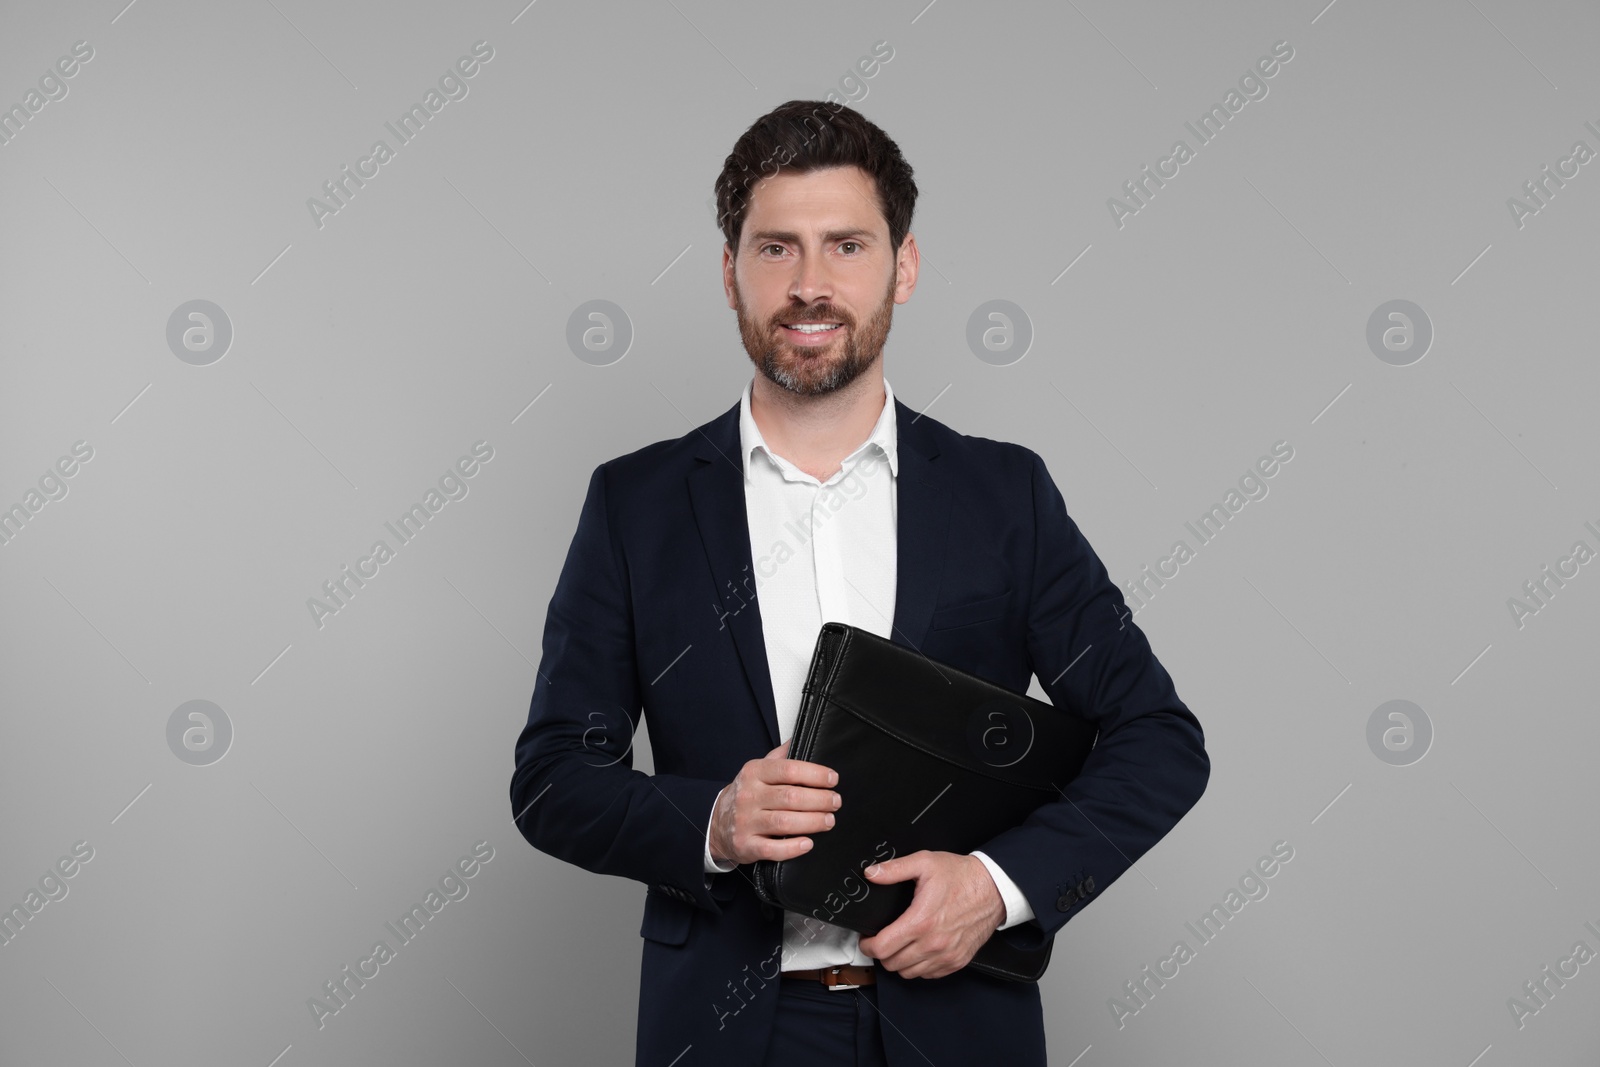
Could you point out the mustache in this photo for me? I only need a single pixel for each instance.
(817, 313)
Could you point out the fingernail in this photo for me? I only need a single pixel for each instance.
(827, 820)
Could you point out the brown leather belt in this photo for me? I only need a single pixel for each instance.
(845, 974)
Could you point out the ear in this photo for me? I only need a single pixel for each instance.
(727, 276)
(907, 262)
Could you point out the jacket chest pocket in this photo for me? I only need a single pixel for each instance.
(666, 920)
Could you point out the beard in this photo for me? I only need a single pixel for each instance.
(815, 370)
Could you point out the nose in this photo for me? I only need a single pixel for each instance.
(811, 281)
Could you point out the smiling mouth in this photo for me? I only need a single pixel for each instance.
(812, 329)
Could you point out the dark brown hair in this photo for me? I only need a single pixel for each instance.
(806, 135)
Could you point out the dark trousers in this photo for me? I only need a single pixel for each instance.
(819, 1026)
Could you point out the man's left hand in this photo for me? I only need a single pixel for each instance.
(955, 909)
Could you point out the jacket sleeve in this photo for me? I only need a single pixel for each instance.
(1149, 764)
(574, 792)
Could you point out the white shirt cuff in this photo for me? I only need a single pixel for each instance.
(711, 865)
(1018, 910)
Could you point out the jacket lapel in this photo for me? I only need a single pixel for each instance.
(716, 490)
(922, 524)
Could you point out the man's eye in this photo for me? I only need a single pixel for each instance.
(850, 244)
(769, 248)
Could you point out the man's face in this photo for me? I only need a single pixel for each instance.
(814, 280)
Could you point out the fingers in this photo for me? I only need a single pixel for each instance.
(796, 772)
(900, 869)
(796, 798)
(775, 826)
(775, 802)
(777, 767)
(771, 821)
(778, 835)
(781, 848)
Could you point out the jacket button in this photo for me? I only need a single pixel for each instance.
(1064, 902)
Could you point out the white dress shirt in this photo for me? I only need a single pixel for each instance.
(825, 552)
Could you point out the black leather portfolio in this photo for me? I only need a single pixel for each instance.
(928, 757)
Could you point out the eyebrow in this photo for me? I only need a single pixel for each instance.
(794, 238)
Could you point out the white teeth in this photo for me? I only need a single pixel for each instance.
(813, 327)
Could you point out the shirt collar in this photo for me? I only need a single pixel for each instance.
(883, 435)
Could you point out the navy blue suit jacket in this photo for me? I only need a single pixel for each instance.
(655, 613)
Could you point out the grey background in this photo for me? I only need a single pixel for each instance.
(1230, 313)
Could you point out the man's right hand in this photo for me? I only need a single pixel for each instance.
(772, 799)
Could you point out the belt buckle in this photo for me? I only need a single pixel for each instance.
(832, 981)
